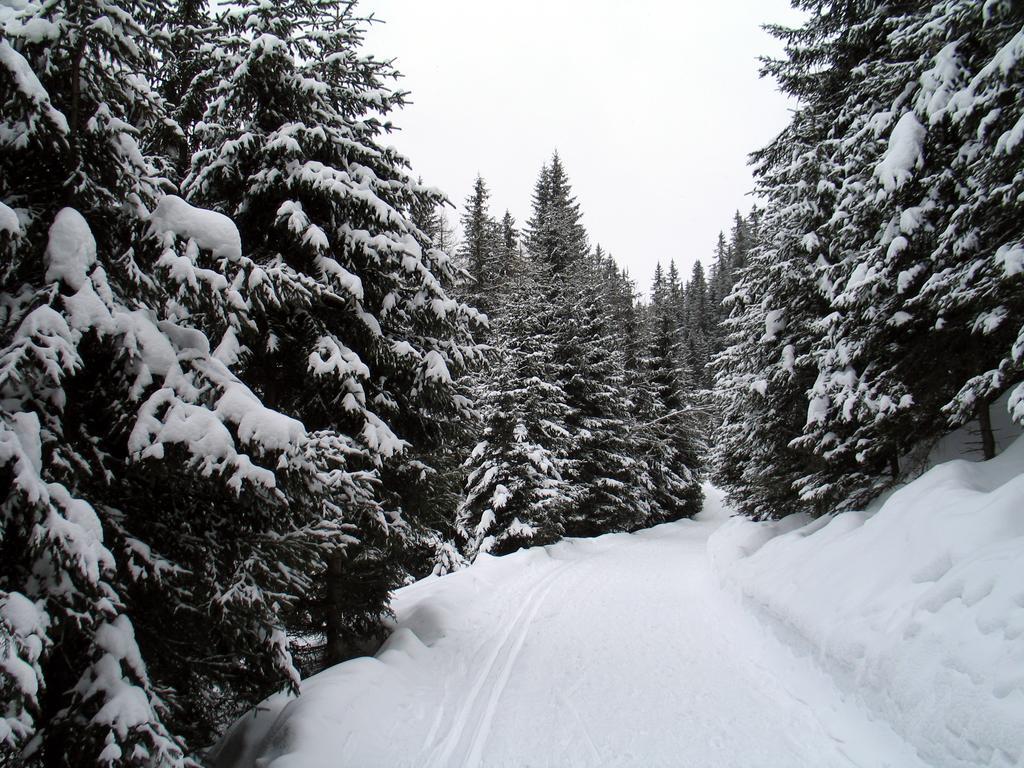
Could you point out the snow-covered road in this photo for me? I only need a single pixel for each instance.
(616, 651)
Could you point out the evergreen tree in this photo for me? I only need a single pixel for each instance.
(371, 345)
(884, 379)
(739, 244)
(509, 252)
(159, 518)
(763, 374)
(555, 233)
(181, 79)
(478, 251)
(608, 483)
(885, 244)
(516, 495)
(664, 430)
(971, 84)
(719, 286)
(698, 321)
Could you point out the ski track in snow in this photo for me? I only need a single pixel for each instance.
(491, 681)
(617, 651)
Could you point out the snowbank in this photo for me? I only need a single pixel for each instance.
(917, 608)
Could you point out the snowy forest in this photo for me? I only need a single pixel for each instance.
(257, 376)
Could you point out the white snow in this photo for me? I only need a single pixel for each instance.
(435, 368)
(817, 410)
(22, 673)
(210, 230)
(774, 322)
(28, 84)
(1010, 258)
(22, 615)
(891, 637)
(9, 221)
(619, 651)
(71, 249)
(788, 360)
(1009, 140)
(125, 705)
(916, 609)
(258, 425)
(939, 84)
(903, 155)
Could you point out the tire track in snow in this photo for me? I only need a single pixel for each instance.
(497, 669)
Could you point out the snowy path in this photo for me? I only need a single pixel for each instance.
(618, 651)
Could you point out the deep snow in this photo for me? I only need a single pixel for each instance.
(916, 607)
(621, 650)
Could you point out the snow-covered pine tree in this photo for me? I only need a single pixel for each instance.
(478, 250)
(609, 484)
(516, 495)
(903, 205)
(509, 259)
(555, 233)
(763, 374)
(625, 321)
(910, 267)
(740, 241)
(783, 304)
(674, 287)
(180, 79)
(730, 258)
(720, 282)
(371, 343)
(877, 367)
(664, 423)
(972, 84)
(698, 316)
(157, 517)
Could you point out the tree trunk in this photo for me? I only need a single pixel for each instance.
(988, 438)
(335, 650)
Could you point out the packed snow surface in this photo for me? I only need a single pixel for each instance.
(622, 650)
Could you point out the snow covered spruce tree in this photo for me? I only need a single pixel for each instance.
(664, 432)
(972, 82)
(780, 299)
(516, 495)
(478, 252)
(698, 316)
(880, 374)
(554, 233)
(370, 344)
(587, 365)
(905, 212)
(157, 517)
(609, 479)
(904, 287)
(579, 438)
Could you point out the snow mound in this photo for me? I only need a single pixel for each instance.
(904, 153)
(9, 222)
(210, 230)
(71, 250)
(916, 608)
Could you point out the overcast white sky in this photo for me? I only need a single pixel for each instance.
(653, 106)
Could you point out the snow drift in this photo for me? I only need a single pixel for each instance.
(917, 608)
